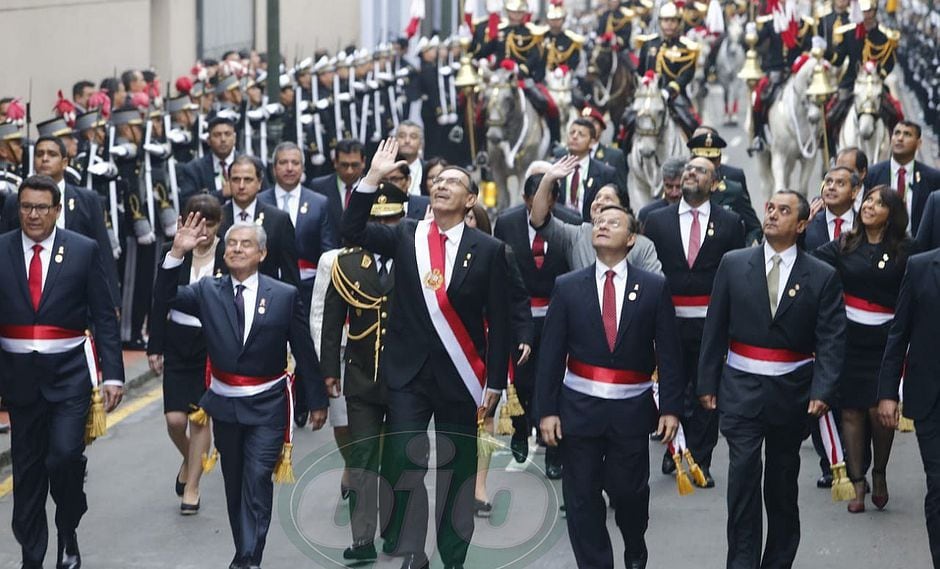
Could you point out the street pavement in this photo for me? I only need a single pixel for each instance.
(133, 518)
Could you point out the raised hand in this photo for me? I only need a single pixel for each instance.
(190, 234)
(384, 162)
(563, 168)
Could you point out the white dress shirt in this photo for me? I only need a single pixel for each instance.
(787, 258)
(221, 168)
(620, 284)
(908, 180)
(378, 262)
(454, 235)
(60, 222)
(848, 221)
(685, 223)
(293, 205)
(417, 173)
(45, 255)
(341, 188)
(250, 210)
(249, 295)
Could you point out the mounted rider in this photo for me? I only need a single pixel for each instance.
(617, 20)
(828, 23)
(673, 58)
(867, 42)
(519, 42)
(778, 51)
(561, 47)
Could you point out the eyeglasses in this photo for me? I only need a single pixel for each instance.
(612, 223)
(451, 183)
(696, 169)
(41, 209)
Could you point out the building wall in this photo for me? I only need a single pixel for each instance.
(309, 25)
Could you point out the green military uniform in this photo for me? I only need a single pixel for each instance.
(730, 195)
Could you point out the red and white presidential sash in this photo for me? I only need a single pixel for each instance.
(184, 319)
(429, 255)
(234, 385)
(539, 306)
(691, 306)
(865, 312)
(607, 383)
(46, 339)
(307, 269)
(765, 361)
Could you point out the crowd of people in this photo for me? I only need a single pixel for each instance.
(324, 257)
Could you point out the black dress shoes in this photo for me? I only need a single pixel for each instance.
(300, 417)
(520, 449)
(69, 556)
(31, 565)
(553, 471)
(415, 561)
(669, 465)
(638, 562)
(824, 481)
(709, 481)
(189, 509)
(482, 509)
(360, 552)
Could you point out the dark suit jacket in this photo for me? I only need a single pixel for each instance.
(198, 176)
(928, 233)
(615, 158)
(646, 336)
(281, 260)
(728, 172)
(512, 227)
(913, 337)
(264, 353)
(83, 215)
(314, 233)
(598, 175)
(477, 292)
(731, 196)
(326, 186)
(925, 181)
(649, 208)
(417, 207)
(811, 320)
(71, 299)
(817, 233)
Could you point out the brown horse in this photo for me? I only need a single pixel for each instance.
(611, 80)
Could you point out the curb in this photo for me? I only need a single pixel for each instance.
(129, 386)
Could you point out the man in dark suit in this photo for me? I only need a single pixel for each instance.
(672, 188)
(610, 155)
(447, 279)
(590, 175)
(539, 266)
(244, 178)
(410, 137)
(50, 291)
(772, 308)
(209, 174)
(928, 234)
(912, 346)
(607, 327)
(349, 162)
(691, 237)
(840, 187)
(81, 211)
(912, 179)
(249, 319)
(359, 293)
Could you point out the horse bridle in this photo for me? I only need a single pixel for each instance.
(870, 103)
(501, 116)
(646, 111)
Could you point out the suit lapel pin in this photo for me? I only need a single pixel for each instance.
(260, 219)
(262, 307)
(60, 254)
(636, 286)
(366, 262)
(303, 208)
(917, 176)
(466, 261)
(590, 183)
(71, 204)
(599, 154)
(632, 296)
(711, 229)
(218, 273)
(792, 292)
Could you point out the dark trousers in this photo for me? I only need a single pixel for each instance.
(366, 426)
(928, 438)
(524, 380)
(48, 458)
(248, 453)
(300, 392)
(620, 466)
(745, 438)
(700, 425)
(409, 412)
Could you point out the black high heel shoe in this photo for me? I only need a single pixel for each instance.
(180, 486)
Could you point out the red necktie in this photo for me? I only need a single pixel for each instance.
(538, 251)
(35, 277)
(349, 191)
(838, 230)
(573, 188)
(609, 310)
(902, 181)
(695, 238)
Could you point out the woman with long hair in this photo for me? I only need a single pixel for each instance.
(870, 260)
(177, 348)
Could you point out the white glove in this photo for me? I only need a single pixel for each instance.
(158, 150)
(322, 104)
(121, 151)
(274, 108)
(372, 84)
(229, 114)
(303, 106)
(103, 168)
(446, 70)
(147, 239)
(750, 28)
(179, 136)
(819, 43)
(258, 114)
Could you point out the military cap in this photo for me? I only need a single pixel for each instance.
(706, 145)
(181, 103)
(556, 11)
(389, 202)
(593, 113)
(230, 83)
(10, 131)
(91, 119)
(54, 127)
(516, 6)
(126, 116)
(668, 10)
(198, 89)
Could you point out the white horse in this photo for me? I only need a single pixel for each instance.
(863, 126)
(656, 138)
(515, 134)
(794, 133)
(560, 86)
(729, 62)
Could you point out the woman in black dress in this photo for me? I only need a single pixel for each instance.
(870, 260)
(177, 349)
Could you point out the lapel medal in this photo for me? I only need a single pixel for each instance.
(71, 204)
(632, 296)
(711, 228)
(303, 208)
(261, 306)
(917, 176)
(590, 183)
(434, 279)
(792, 292)
(260, 219)
(466, 261)
(60, 254)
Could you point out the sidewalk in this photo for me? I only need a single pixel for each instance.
(136, 371)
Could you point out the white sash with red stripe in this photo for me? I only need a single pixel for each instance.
(307, 269)
(865, 312)
(830, 438)
(50, 340)
(450, 329)
(539, 306)
(605, 383)
(691, 306)
(765, 361)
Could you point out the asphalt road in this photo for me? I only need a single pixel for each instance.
(133, 518)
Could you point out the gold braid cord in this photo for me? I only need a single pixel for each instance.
(880, 53)
(615, 24)
(520, 53)
(555, 57)
(355, 298)
(686, 59)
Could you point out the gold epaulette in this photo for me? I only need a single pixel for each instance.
(892, 35)
(536, 30)
(689, 44)
(575, 37)
(638, 41)
(627, 12)
(845, 28)
(503, 24)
